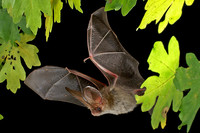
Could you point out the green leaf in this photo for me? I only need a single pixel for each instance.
(160, 90)
(8, 30)
(76, 4)
(188, 78)
(56, 7)
(27, 51)
(30, 8)
(11, 67)
(0, 4)
(12, 70)
(22, 25)
(124, 5)
(156, 9)
(10, 63)
(1, 117)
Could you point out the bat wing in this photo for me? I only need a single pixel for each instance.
(107, 53)
(50, 83)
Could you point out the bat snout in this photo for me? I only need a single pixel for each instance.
(97, 111)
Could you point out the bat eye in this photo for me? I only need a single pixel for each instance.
(98, 109)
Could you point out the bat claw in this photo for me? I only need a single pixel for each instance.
(140, 92)
(86, 59)
(67, 69)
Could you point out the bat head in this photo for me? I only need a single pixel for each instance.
(94, 100)
(91, 98)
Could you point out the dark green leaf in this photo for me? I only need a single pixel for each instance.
(124, 5)
(188, 78)
(8, 30)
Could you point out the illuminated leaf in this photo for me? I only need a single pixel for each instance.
(160, 90)
(12, 70)
(30, 8)
(11, 67)
(28, 51)
(155, 9)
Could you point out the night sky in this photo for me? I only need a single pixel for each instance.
(67, 47)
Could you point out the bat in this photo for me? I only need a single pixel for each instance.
(108, 55)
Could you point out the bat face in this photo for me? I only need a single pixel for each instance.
(108, 55)
(97, 109)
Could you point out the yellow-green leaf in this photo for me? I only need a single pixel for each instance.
(160, 90)
(28, 51)
(172, 15)
(30, 8)
(155, 9)
(76, 4)
(56, 7)
(189, 2)
(11, 68)
(1, 117)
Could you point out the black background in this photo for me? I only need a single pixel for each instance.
(67, 46)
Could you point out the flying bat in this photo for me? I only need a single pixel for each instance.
(108, 55)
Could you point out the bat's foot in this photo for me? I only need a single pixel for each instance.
(86, 59)
(140, 92)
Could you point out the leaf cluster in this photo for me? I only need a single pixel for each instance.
(168, 87)
(13, 45)
(19, 23)
(155, 11)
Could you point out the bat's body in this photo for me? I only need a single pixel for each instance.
(116, 64)
(120, 101)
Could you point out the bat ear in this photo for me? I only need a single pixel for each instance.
(92, 95)
(77, 95)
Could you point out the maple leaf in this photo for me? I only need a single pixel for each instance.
(188, 78)
(56, 7)
(124, 5)
(160, 90)
(28, 51)
(30, 8)
(155, 9)
(11, 68)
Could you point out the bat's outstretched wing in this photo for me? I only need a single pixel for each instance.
(107, 53)
(57, 83)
